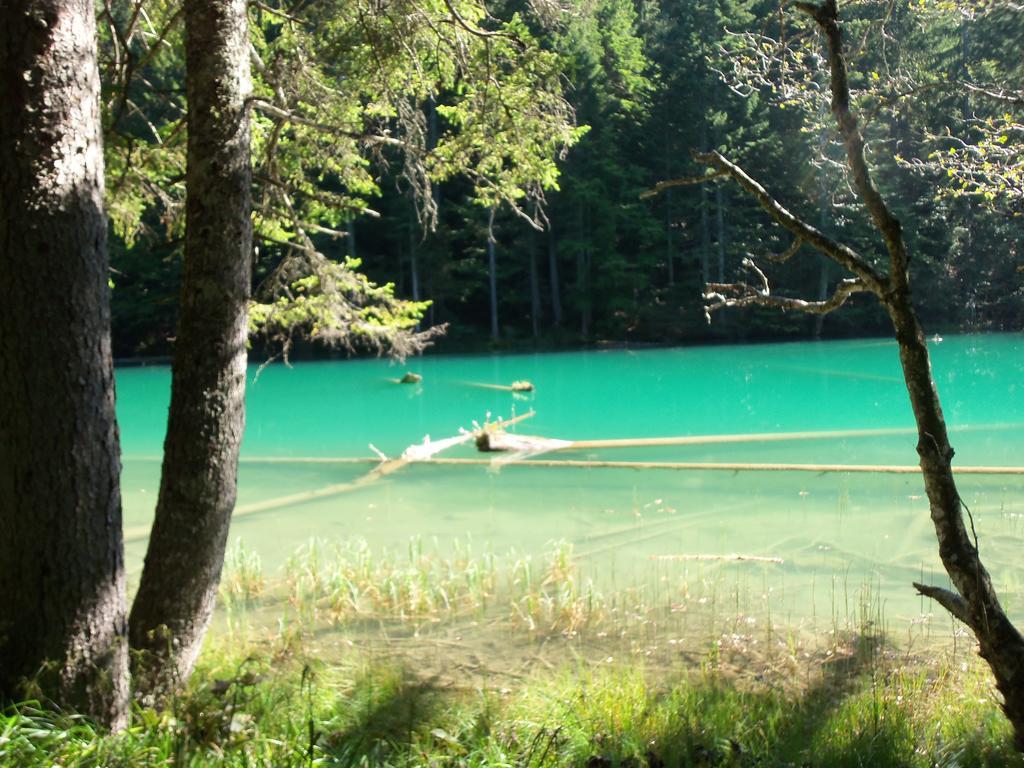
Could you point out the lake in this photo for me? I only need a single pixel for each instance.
(843, 538)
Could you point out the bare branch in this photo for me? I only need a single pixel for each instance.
(477, 31)
(786, 255)
(686, 181)
(951, 601)
(839, 253)
(1016, 98)
(293, 117)
(826, 17)
(722, 295)
(277, 12)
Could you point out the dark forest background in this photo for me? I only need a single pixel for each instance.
(649, 79)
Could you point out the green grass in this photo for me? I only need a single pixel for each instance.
(276, 711)
(356, 658)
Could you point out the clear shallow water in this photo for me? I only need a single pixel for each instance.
(836, 532)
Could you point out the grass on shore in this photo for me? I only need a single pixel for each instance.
(306, 694)
(265, 711)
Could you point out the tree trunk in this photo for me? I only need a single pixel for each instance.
(669, 260)
(973, 599)
(977, 605)
(492, 277)
(720, 221)
(534, 288)
(197, 489)
(705, 225)
(62, 598)
(556, 296)
(414, 268)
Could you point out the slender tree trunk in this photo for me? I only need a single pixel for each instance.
(534, 288)
(669, 260)
(414, 268)
(556, 295)
(824, 270)
(62, 597)
(492, 275)
(207, 413)
(720, 221)
(973, 600)
(705, 225)
(583, 272)
(976, 604)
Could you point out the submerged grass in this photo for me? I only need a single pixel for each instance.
(357, 658)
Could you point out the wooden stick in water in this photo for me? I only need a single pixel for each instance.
(734, 467)
(732, 557)
(759, 437)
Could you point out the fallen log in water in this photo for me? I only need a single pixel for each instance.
(735, 466)
(732, 557)
(497, 440)
(414, 453)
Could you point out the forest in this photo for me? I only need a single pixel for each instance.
(580, 257)
(222, 184)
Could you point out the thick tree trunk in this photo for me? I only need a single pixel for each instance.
(62, 601)
(207, 413)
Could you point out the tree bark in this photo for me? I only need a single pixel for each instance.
(975, 602)
(62, 597)
(207, 414)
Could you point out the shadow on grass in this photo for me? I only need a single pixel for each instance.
(381, 718)
(847, 717)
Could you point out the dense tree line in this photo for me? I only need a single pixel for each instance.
(651, 81)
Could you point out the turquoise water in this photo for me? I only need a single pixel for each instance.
(859, 529)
